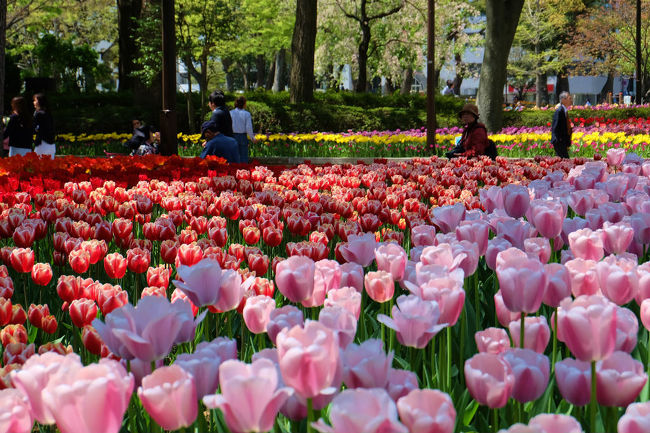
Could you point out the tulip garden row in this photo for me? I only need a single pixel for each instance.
(421, 296)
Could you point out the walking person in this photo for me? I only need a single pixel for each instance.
(43, 127)
(242, 128)
(561, 128)
(19, 130)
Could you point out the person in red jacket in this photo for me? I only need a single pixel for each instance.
(474, 141)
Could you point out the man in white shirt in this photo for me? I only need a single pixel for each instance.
(242, 128)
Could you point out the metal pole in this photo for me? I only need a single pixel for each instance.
(168, 120)
(638, 53)
(431, 75)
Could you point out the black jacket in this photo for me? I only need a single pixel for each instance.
(221, 116)
(19, 135)
(43, 127)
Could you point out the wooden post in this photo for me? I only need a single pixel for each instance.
(431, 75)
(639, 90)
(168, 119)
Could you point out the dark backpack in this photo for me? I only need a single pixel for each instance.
(491, 150)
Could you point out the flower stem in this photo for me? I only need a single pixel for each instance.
(495, 420)
(522, 330)
(594, 402)
(310, 415)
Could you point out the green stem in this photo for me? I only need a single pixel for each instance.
(391, 333)
(434, 365)
(202, 422)
(522, 330)
(461, 354)
(310, 415)
(594, 402)
(495, 420)
(554, 342)
(448, 368)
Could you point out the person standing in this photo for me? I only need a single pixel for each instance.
(220, 114)
(561, 128)
(43, 127)
(19, 129)
(242, 128)
(449, 89)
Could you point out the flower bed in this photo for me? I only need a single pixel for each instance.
(419, 296)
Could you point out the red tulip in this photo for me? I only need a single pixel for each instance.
(5, 311)
(18, 315)
(42, 274)
(82, 312)
(79, 260)
(36, 313)
(24, 236)
(218, 235)
(137, 260)
(115, 265)
(251, 235)
(143, 204)
(122, 228)
(13, 334)
(187, 236)
(154, 291)
(91, 340)
(22, 259)
(110, 298)
(158, 276)
(49, 324)
(272, 236)
(17, 353)
(263, 286)
(258, 263)
(168, 250)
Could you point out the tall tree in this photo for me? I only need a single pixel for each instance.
(128, 15)
(3, 45)
(502, 19)
(302, 51)
(364, 13)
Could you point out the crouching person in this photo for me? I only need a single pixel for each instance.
(218, 144)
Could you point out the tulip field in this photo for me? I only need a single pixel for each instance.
(154, 294)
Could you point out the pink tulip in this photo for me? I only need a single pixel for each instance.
(619, 379)
(519, 428)
(552, 423)
(414, 320)
(200, 282)
(571, 225)
(362, 411)
(492, 340)
(516, 200)
(427, 410)
(491, 198)
(294, 278)
(379, 286)
(538, 248)
(489, 379)
(257, 312)
(547, 217)
(536, 333)
(522, 283)
(531, 371)
(359, 249)
(426, 274)
(366, 365)
(341, 322)
(423, 235)
(445, 238)
(327, 276)
(15, 412)
(515, 231)
(400, 383)
(251, 395)
(586, 244)
(643, 274)
(595, 218)
(581, 201)
(588, 327)
(618, 279)
(90, 399)
(34, 377)
(476, 232)
(617, 237)
(640, 222)
(169, 396)
(559, 284)
(281, 318)
(584, 279)
(345, 297)
(504, 315)
(231, 291)
(447, 217)
(636, 419)
(308, 358)
(470, 250)
(615, 156)
(442, 255)
(352, 276)
(391, 258)
(204, 364)
(495, 246)
(645, 313)
(627, 329)
(149, 330)
(573, 379)
(448, 293)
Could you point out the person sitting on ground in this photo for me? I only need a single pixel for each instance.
(149, 145)
(217, 143)
(474, 141)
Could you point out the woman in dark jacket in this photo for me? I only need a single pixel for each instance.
(43, 127)
(19, 130)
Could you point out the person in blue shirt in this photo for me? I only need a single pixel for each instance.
(217, 143)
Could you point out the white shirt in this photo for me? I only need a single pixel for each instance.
(242, 123)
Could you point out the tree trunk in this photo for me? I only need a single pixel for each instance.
(460, 72)
(562, 83)
(362, 82)
(607, 88)
(303, 45)
(278, 76)
(203, 84)
(244, 73)
(260, 64)
(227, 64)
(407, 81)
(270, 76)
(128, 15)
(541, 91)
(3, 45)
(190, 105)
(502, 19)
